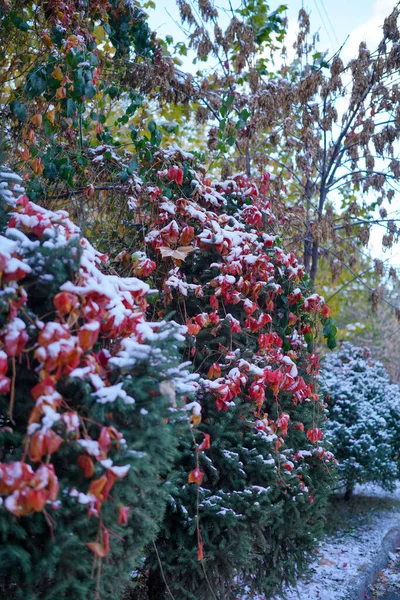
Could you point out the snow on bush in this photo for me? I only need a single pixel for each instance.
(86, 377)
(253, 483)
(87, 387)
(364, 418)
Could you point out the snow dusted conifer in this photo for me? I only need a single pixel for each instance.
(364, 418)
(248, 497)
(88, 397)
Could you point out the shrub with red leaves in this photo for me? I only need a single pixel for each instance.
(89, 390)
(251, 500)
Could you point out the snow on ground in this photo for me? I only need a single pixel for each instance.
(341, 558)
(388, 583)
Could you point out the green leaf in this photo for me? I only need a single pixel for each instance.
(327, 327)
(50, 171)
(19, 22)
(57, 35)
(331, 343)
(90, 90)
(308, 338)
(36, 82)
(156, 138)
(66, 173)
(240, 124)
(73, 58)
(71, 108)
(112, 92)
(19, 110)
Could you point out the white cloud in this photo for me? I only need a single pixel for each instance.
(370, 31)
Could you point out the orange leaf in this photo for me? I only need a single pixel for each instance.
(37, 119)
(214, 372)
(36, 500)
(326, 311)
(97, 549)
(61, 93)
(97, 486)
(195, 476)
(88, 335)
(65, 302)
(25, 154)
(187, 235)
(30, 136)
(53, 441)
(37, 446)
(37, 165)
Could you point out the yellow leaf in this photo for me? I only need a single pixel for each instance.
(57, 74)
(99, 33)
(195, 420)
(51, 115)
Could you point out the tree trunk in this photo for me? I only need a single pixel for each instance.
(308, 234)
(348, 494)
(314, 265)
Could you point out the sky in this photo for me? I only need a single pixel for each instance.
(335, 20)
(338, 22)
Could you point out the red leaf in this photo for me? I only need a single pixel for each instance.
(314, 435)
(195, 476)
(175, 174)
(200, 554)
(87, 466)
(123, 515)
(106, 540)
(205, 444)
(326, 311)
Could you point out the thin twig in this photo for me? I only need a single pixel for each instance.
(162, 572)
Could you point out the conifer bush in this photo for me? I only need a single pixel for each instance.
(363, 417)
(88, 406)
(251, 486)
